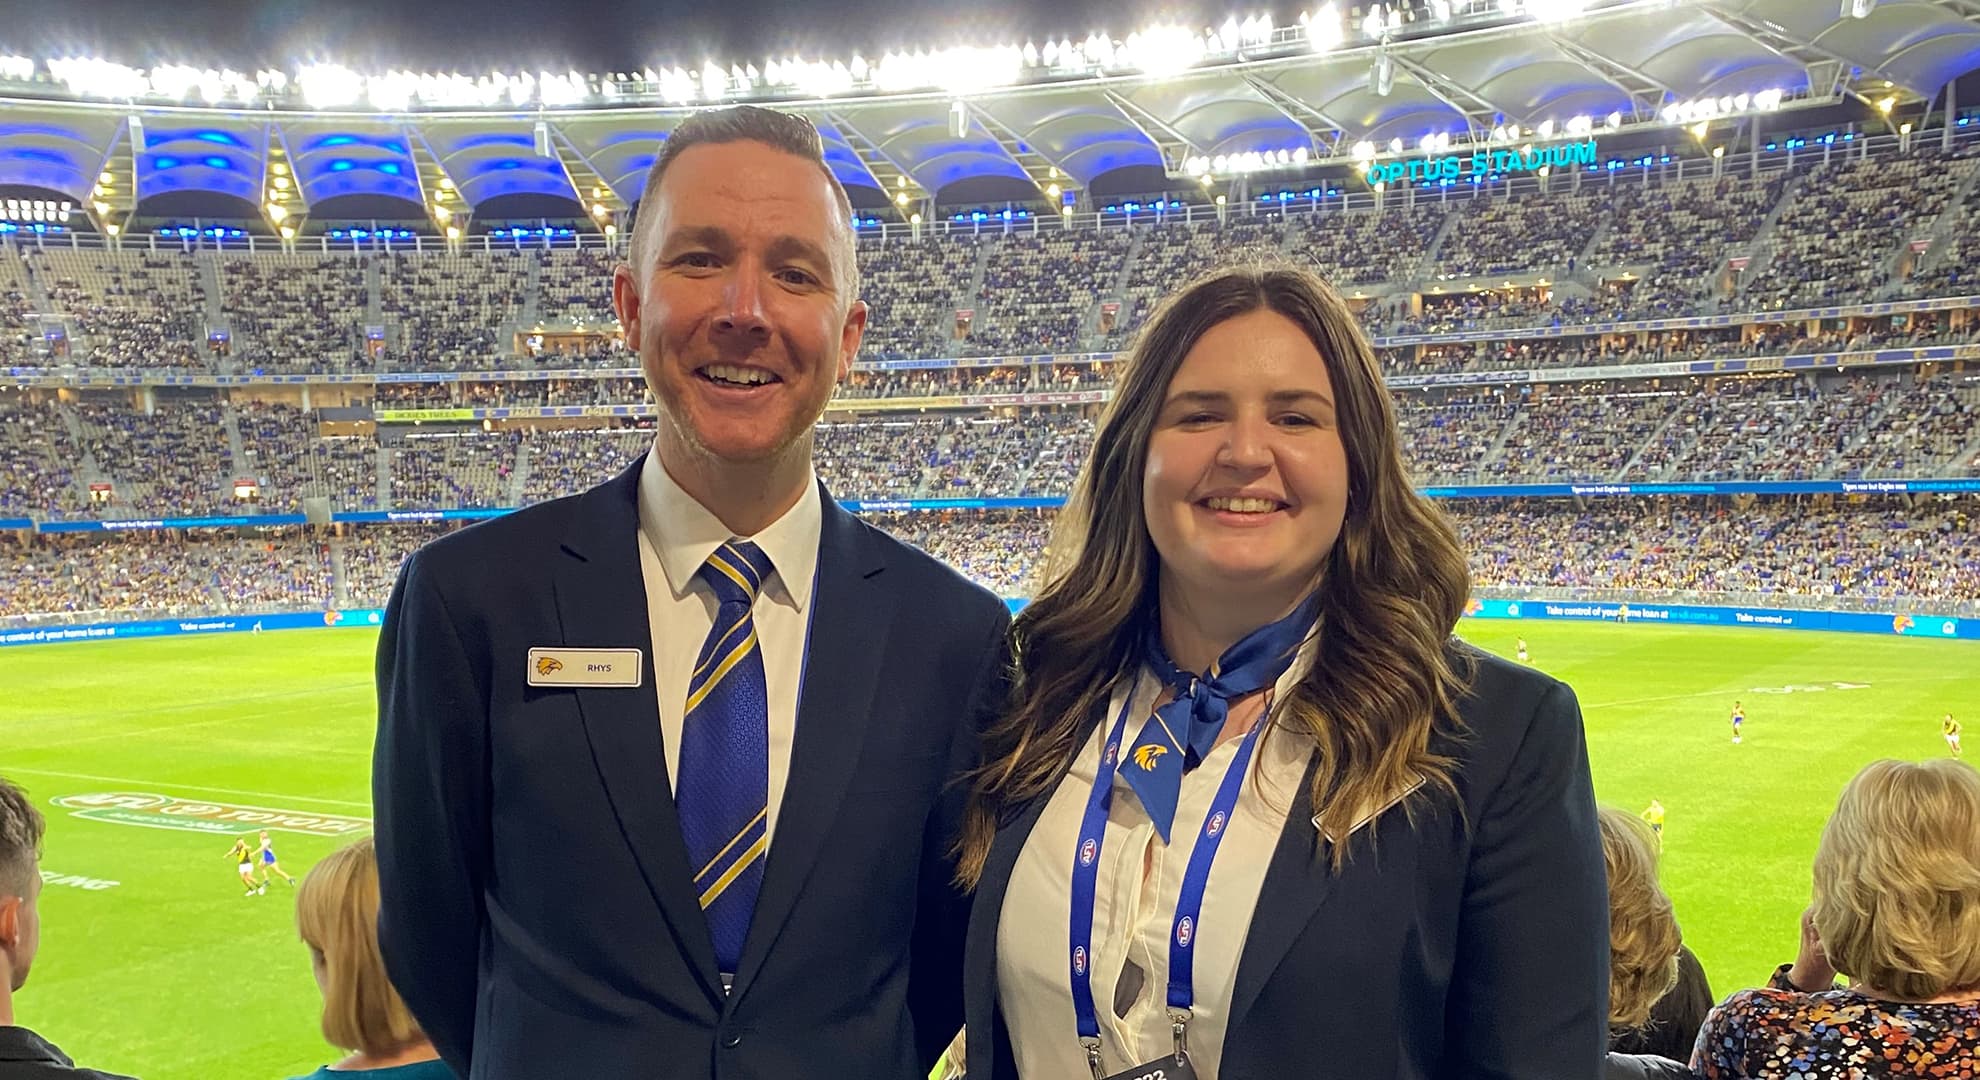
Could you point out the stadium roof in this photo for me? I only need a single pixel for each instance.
(1247, 97)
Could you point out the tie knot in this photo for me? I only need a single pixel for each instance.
(736, 572)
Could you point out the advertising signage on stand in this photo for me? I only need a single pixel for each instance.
(1481, 163)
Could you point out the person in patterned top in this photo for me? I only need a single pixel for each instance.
(1897, 909)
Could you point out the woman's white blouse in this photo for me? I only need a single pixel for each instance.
(1133, 912)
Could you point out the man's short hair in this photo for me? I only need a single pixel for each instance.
(789, 132)
(20, 840)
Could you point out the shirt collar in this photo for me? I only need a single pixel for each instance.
(21, 1044)
(684, 534)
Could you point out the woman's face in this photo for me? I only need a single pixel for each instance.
(1246, 481)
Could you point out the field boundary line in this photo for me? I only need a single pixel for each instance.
(125, 781)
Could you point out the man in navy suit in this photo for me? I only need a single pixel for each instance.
(663, 769)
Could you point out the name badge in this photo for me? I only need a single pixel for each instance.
(1166, 1067)
(585, 667)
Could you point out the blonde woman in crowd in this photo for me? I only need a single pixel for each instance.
(1643, 941)
(337, 916)
(1897, 910)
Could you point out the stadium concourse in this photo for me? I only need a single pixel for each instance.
(1587, 333)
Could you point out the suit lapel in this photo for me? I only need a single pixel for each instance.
(985, 920)
(841, 675)
(1296, 884)
(601, 603)
(987, 911)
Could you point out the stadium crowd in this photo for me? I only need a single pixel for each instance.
(1834, 227)
(1795, 552)
(195, 453)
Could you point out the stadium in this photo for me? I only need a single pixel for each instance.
(1671, 297)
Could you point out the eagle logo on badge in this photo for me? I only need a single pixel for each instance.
(1148, 754)
(1901, 623)
(547, 664)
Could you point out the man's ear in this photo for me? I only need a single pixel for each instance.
(10, 921)
(625, 302)
(850, 336)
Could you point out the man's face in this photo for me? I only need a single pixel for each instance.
(20, 928)
(741, 313)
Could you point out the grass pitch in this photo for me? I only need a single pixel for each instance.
(172, 974)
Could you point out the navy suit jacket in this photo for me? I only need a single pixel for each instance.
(1454, 947)
(537, 911)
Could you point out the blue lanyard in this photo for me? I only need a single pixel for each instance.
(1189, 904)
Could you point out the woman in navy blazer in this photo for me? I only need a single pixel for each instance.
(1253, 811)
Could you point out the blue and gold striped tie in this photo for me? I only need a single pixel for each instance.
(724, 785)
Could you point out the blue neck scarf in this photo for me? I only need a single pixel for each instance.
(1180, 734)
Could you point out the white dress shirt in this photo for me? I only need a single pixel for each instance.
(676, 536)
(1133, 913)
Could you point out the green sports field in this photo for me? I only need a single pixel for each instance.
(172, 974)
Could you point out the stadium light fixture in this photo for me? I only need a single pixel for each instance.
(914, 218)
(1324, 32)
(1718, 151)
(901, 199)
(277, 212)
(1161, 51)
(329, 86)
(1859, 9)
(288, 232)
(1886, 103)
(1904, 128)
(1384, 75)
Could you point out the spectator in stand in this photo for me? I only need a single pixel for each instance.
(337, 917)
(1897, 909)
(1644, 946)
(23, 1054)
(1244, 533)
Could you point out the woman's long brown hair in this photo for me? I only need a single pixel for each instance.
(1382, 679)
